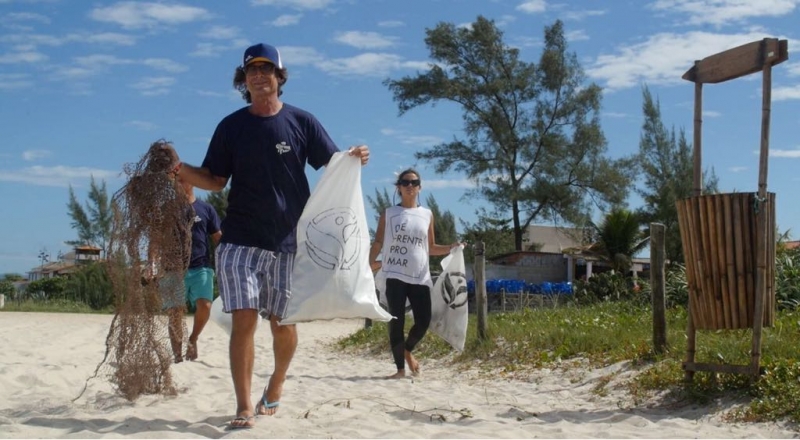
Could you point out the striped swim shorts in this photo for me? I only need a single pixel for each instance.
(254, 278)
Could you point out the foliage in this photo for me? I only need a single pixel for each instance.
(676, 291)
(606, 286)
(533, 141)
(13, 277)
(787, 277)
(93, 224)
(496, 235)
(219, 200)
(47, 288)
(90, 284)
(618, 238)
(7, 288)
(668, 169)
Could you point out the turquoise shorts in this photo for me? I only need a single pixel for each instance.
(199, 284)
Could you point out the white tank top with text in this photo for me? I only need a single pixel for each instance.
(405, 245)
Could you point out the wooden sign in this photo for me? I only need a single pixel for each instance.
(739, 61)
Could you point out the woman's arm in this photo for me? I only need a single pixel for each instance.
(377, 245)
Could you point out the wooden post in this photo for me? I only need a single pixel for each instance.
(658, 286)
(691, 332)
(761, 220)
(480, 290)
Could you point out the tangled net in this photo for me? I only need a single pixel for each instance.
(149, 253)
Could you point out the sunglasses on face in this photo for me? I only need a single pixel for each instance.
(265, 68)
(406, 182)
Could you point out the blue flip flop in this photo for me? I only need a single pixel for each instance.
(267, 405)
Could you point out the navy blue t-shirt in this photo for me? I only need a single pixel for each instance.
(206, 222)
(265, 159)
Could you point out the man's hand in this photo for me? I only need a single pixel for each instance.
(361, 151)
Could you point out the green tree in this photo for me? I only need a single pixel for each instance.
(219, 200)
(618, 238)
(13, 277)
(532, 137)
(93, 224)
(7, 288)
(667, 168)
(496, 234)
(91, 285)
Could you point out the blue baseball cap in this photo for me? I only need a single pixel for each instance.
(264, 53)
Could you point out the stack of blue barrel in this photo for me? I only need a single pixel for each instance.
(515, 287)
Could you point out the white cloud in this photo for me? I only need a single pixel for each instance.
(286, 20)
(15, 81)
(221, 33)
(134, 15)
(737, 169)
(786, 93)
(576, 35)
(299, 56)
(364, 40)
(711, 114)
(368, 64)
(165, 65)
(104, 38)
(32, 41)
(722, 12)
(391, 23)
(578, 15)
(22, 57)
(209, 49)
(154, 86)
(296, 4)
(792, 154)
(31, 155)
(62, 176)
(25, 16)
(532, 6)
(142, 125)
(663, 58)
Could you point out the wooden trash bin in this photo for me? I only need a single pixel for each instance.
(718, 233)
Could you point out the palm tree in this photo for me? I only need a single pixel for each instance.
(618, 238)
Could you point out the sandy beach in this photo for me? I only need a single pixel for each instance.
(45, 360)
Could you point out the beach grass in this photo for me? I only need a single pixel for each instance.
(607, 333)
(51, 306)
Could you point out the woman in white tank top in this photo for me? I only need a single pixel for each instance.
(405, 238)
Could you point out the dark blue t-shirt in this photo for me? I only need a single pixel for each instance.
(265, 159)
(206, 222)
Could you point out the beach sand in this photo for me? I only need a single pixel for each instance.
(45, 360)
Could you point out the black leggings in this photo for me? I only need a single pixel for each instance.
(419, 295)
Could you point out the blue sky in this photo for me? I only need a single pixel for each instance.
(87, 86)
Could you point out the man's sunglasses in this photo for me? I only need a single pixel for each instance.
(406, 182)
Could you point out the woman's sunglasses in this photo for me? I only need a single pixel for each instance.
(406, 182)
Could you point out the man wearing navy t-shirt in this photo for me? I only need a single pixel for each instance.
(263, 150)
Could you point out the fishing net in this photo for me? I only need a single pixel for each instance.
(148, 255)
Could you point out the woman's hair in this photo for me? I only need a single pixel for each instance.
(407, 171)
(240, 84)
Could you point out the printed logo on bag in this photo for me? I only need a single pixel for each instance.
(334, 239)
(454, 289)
(283, 148)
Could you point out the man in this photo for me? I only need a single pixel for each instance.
(263, 149)
(199, 278)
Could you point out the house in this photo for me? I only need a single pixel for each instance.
(67, 263)
(553, 254)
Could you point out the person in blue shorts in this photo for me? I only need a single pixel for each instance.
(199, 279)
(262, 149)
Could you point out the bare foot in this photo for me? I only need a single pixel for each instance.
(270, 400)
(191, 350)
(399, 375)
(178, 359)
(413, 365)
